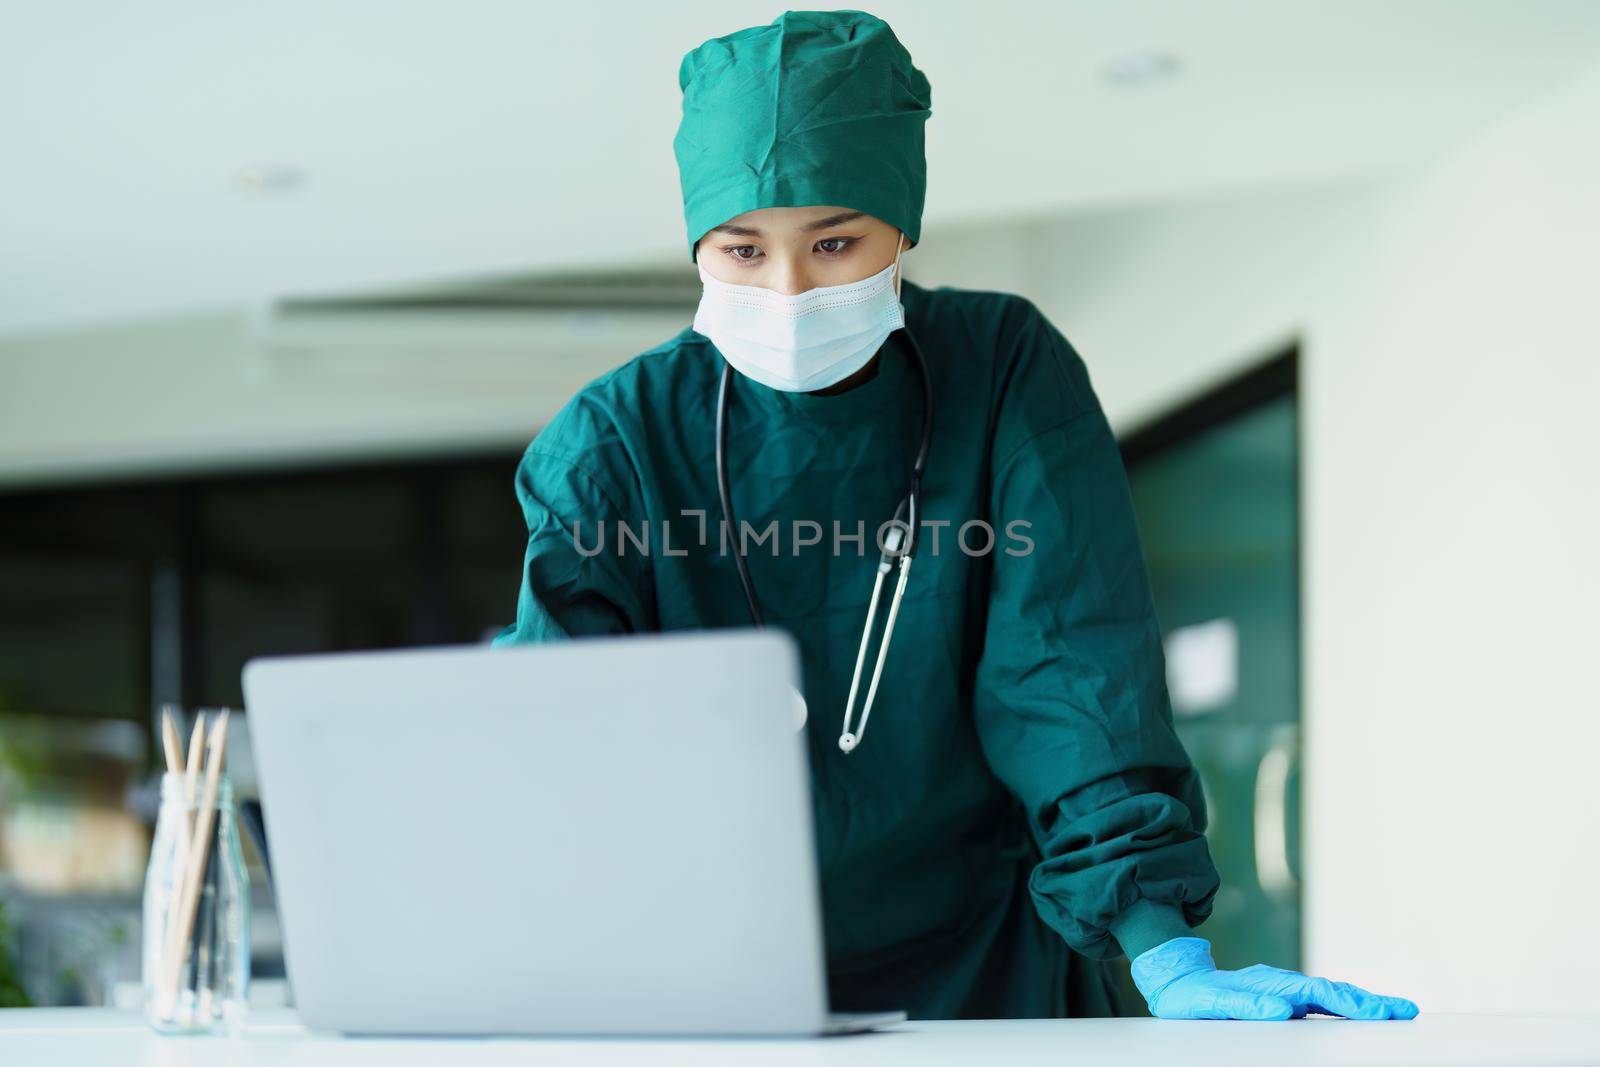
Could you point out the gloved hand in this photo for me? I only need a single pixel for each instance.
(1179, 981)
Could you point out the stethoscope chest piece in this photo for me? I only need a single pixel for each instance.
(896, 556)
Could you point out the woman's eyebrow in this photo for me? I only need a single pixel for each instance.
(820, 224)
(831, 221)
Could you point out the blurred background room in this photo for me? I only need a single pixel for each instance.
(286, 289)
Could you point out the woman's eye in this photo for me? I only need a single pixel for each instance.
(832, 246)
(744, 252)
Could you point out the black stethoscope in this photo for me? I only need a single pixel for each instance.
(898, 545)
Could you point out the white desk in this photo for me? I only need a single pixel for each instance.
(68, 1037)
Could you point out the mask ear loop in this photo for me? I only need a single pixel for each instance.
(899, 246)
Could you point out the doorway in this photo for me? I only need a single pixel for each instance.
(1216, 487)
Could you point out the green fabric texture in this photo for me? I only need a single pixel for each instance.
(1020, 796)
(819, 108)
(1147, 924)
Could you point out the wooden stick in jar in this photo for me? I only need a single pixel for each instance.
(173, 747)
(191, 783)
(170, 743)
(178, 933)
(196, 746)
(185, 832)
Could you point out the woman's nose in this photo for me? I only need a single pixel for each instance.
(790, 279)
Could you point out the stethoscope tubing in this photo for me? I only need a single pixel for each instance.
(894, 555)
(731, 526)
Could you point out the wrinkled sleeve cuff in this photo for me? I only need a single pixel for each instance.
(1147, 924)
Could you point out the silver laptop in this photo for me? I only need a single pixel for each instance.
(608, 836)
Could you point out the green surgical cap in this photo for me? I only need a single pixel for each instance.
(820, 108)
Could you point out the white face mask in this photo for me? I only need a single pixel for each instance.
(805, 342)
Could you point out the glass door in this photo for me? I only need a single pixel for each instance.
(1216, 488)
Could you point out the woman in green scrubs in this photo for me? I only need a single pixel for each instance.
(1020, 809)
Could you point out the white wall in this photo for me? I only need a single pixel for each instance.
(1453, 461)
(1450, 322)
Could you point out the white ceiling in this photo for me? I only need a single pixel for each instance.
(476, 137)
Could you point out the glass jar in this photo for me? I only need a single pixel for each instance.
(196, 971)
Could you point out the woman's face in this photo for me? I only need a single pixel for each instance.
(793, 249)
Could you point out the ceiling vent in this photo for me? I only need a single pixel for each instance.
(555, 331)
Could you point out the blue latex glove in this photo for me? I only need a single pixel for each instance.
(1179, 981)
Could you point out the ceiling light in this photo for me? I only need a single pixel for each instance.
(269, 177)
(1138, 69)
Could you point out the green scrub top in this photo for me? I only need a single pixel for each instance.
(1020, 807)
